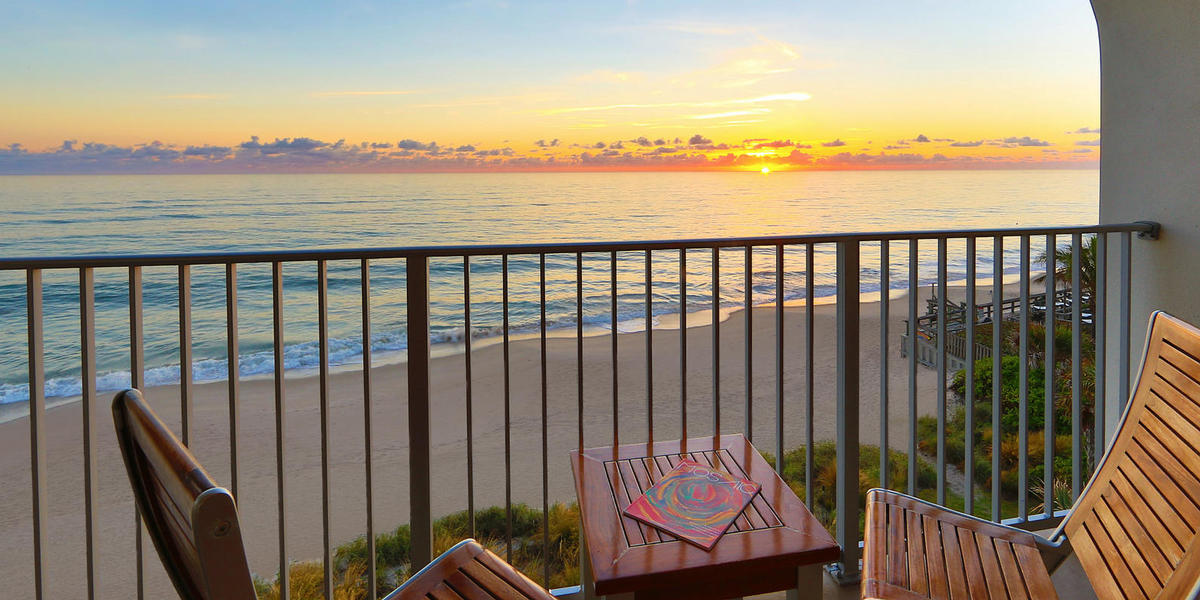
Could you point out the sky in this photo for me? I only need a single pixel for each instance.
(354, 86)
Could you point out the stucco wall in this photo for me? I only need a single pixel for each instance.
(1150, 161)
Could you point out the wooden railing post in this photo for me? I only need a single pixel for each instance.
(420, 504)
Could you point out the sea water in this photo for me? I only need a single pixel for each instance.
(104, 215)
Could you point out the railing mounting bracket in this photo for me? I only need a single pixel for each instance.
(1152, 234)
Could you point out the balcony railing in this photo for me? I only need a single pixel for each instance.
(770, 273)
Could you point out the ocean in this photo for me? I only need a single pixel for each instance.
(89, 215)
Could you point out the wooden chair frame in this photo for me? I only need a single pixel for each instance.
(194, 525)
(1133, 528)
(192, 521)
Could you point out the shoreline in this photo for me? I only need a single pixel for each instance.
(666, 321)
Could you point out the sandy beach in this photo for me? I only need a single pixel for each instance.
(65, 556)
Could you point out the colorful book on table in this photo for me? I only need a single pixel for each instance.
(694, 502)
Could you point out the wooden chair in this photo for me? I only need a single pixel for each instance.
(1133, 528)
(194, 525)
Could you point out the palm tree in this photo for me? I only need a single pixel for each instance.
(1064, 260)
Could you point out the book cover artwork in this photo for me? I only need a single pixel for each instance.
(694, 502)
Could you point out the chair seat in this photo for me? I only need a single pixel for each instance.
(915, 549)
(469, 571)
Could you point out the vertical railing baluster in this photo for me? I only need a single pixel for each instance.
(716, 340)
(847, 407)
(942, 317)
(683, 378)
(545, 421)
(137, 379)
(87, 355)
(185, 352)
(1100, 360)
(579, 342)
(232, 368)
(1023, 418)
(1048, 391)
(1076, 364)
(649, 348)
(416, 278)
(885, 286)
(468, 394)
(969, 387)
(913, 283)
(1124, 306)
(613, 298)
(809, 307)
(997, 365)
(280, 424)
(508, 516)
(323, 382)
(749, 342)
(37, 424)
(779, 381)
(368, 446)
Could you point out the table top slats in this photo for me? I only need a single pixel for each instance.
(742, 522)
(633, 475)
(620, 498)
(758, 511)
(775, 533)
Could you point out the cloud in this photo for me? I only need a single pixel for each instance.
(407, 144)
(1095, 142)
(895, 147)
(921, 138)
(967, 144)
(599, 145)
(310, 155)
(1086, 130)
(1025, 141)
(642, 141)
(774, 144)
(544, 144)
(834, 143)
(208, 152)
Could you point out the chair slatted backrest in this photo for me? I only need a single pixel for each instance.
(192, 521)
(1134, 528)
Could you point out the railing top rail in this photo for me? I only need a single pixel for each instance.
(264, 256)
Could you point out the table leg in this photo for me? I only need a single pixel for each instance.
(585, 569)
(809, 584)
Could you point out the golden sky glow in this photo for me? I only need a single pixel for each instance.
(528, 86)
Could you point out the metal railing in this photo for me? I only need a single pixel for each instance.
(784, 250)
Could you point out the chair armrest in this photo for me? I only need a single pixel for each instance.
(469, 571)
(915, 548)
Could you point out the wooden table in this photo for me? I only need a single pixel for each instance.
(775, 544)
